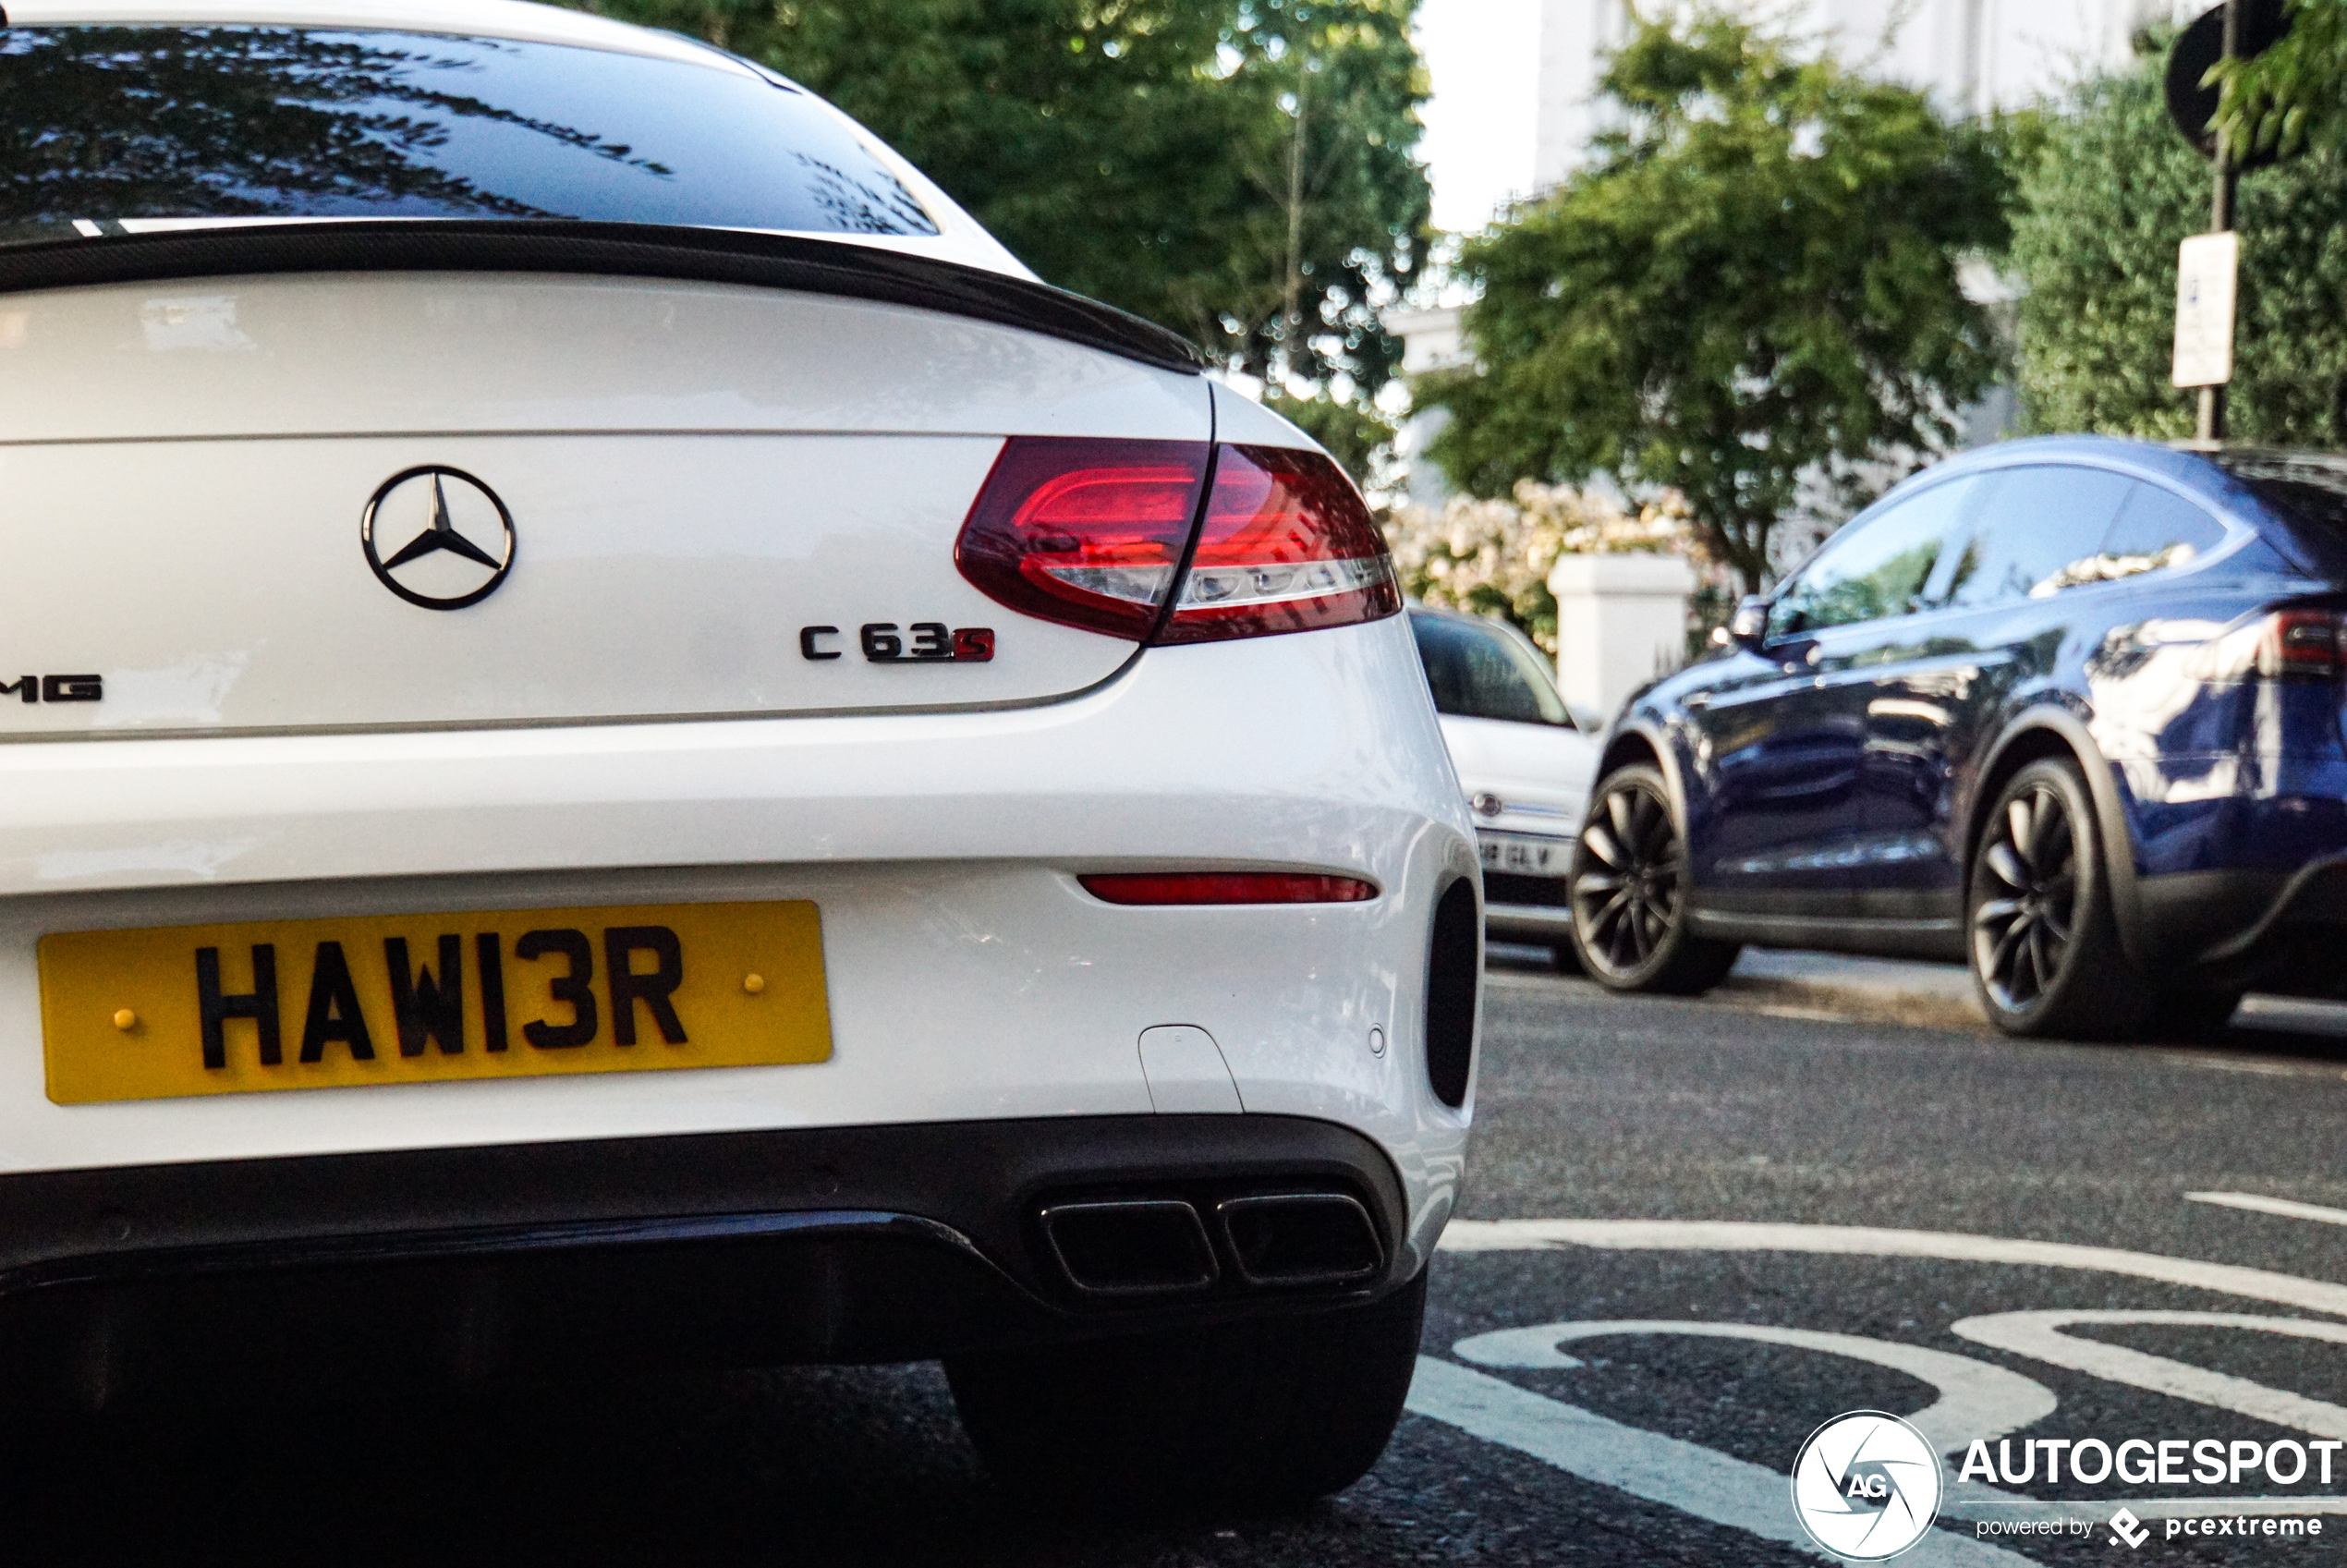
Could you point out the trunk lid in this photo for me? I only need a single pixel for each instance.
(588, 499)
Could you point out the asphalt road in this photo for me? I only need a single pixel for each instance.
(1634, 1117)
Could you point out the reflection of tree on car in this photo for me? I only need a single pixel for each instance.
(131, 123)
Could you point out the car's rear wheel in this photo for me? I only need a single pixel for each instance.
(1265, 1411)
(2043, 934)
(1629, 893)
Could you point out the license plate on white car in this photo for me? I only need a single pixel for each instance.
(322, 1003)
(1525, 855)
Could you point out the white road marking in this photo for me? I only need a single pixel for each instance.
(2240, 1065)
(1749, 1497)
(1715, 1486)
(1862, 1240)
(2038, 1336)
(1976, 1400)
(2281, 1206)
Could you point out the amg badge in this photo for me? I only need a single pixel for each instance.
(55, 688)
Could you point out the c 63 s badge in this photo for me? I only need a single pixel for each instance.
(884, 642)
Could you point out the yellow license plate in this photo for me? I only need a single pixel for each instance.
(180, 1010)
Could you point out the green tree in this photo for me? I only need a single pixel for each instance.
(1242, 171)
(2296, 89)
(2100, 214)
(1751, 283)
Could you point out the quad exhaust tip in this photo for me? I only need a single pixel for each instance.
(1301, 1238)
(1131, 1246)
(1160, 1246)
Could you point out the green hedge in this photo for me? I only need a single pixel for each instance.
(2100, 215)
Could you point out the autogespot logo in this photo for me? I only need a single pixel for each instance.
(1866, 1486)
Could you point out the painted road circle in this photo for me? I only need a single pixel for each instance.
(1866, 1486)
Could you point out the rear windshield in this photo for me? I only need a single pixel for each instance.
(2308, 487)
(103, 126)
(1481, 673)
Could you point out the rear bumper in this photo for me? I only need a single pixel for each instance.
(2284, 932)
(860, 1243)
(972, 981)
(1537, 923)
(1517, 907)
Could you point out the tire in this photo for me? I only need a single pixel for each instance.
(1628, 891)
(2040, 927)
(1265, 1412)
(1565, 958)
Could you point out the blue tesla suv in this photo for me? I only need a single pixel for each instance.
(2068, 710)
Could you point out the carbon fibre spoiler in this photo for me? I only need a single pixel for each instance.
(727, 256)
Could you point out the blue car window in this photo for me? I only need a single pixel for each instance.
(1484, 675)
(1877, 565)
(2040, 529)
(103, 123)
(2155, 529)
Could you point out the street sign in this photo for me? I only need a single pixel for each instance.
(2206, 266)
(2201, 45)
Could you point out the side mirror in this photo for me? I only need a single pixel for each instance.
(1748, 628)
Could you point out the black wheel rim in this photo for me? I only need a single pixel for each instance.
(2025, 898)
(1627, 881)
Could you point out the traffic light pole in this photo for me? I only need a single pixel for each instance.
(2220, 219)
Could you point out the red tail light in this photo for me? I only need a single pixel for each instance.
(1226, 887)
(1087, 533)
(2307, 644)
(1288, 547)
(1092, 533)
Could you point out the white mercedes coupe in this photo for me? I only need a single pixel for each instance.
(624, 742)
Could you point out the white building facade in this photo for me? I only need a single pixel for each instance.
(1971, 57)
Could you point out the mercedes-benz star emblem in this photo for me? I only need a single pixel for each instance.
(459, 537)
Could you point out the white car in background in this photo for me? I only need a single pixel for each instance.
(625, 742)
(1525, 763)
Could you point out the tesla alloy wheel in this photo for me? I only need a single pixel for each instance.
(1629, 893)
(2045, 946)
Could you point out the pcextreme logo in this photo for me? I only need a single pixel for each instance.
(1866, 1486)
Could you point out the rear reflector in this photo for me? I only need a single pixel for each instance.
(1226, 887)
(1092, 533)
(1087, 533)
(1288, 546)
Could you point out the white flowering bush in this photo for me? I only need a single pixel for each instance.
(1492, 557)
